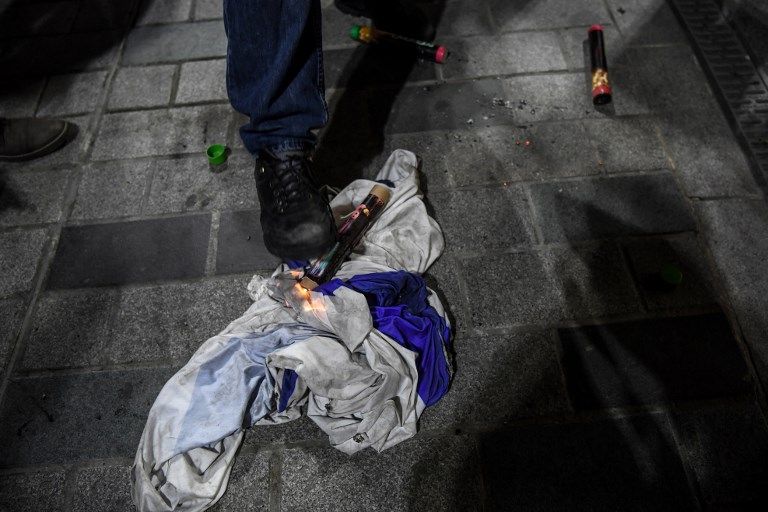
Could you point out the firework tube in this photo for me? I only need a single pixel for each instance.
(601, 88)
(424, 50)
(350, 233)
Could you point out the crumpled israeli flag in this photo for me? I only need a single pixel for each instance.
(361, 355)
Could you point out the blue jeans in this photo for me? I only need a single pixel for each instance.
(275, 71)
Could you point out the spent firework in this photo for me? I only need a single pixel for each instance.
(601, 87)
(351, 231)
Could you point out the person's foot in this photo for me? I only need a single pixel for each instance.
(28, 138)
(396, 16)
(296, 219)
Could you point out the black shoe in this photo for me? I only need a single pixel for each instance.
(28, 138)
(396, 16)
(295, 216)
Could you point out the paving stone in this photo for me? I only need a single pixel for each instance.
(464, 18)
(422, 474)
(181, 185)
(32, 197)
(60, 54)
(486, 391)
(576, 47)
(202, 81)
(19, 254)
(302, 429)
(104, 14)
(103, 487)
(67, 418)
(656, 68)
(72, 94)
(19, 98)
(627, 144)
(161, 132)
(11, 315)
(647, 21)
(503, 55)
(552, 150)
(581, 467)
(72, 330)
(248, 487)
(511, 289)
(652, 361)
(648, 257)
(594, 281)
(727, 450)
(180, 41)
(22, 19)
(597, 208)
(240, 245)
(736, 233)
(208, 9)
(504, 213)
(31, 492)
(172, 321)
(707, 155)
(524, 15)
(113, 189)
(147, 86)
(131, 252)
(445, 106)
(368, 66)
(164, 11)
(125, 326)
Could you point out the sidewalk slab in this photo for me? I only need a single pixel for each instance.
(20, 252)
(598, 208)
(67, 418)
(653, 361)
(563, 467)
(421, 474)
(130, 252)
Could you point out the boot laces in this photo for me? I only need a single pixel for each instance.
(289, 188)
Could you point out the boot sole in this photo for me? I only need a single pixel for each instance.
(306, 252)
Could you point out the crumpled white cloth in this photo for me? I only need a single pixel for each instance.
(356, 383)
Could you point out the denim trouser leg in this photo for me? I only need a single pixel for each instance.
(275, 71)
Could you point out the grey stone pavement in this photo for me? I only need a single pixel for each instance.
(581, 383)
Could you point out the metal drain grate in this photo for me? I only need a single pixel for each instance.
(733, 71)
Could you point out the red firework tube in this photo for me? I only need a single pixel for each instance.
(350, 233)
(427, 51)
(601, 88)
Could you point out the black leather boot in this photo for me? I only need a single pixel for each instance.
(295, 216)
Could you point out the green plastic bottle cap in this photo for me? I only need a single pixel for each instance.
(354, 32)
(671, 274)
(217, 154)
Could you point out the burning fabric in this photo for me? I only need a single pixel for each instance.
(362, 355)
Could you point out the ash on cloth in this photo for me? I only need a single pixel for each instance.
(362, 356)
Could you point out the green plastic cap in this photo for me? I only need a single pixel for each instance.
(217, 154)
(671, 274)
(354, 32)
